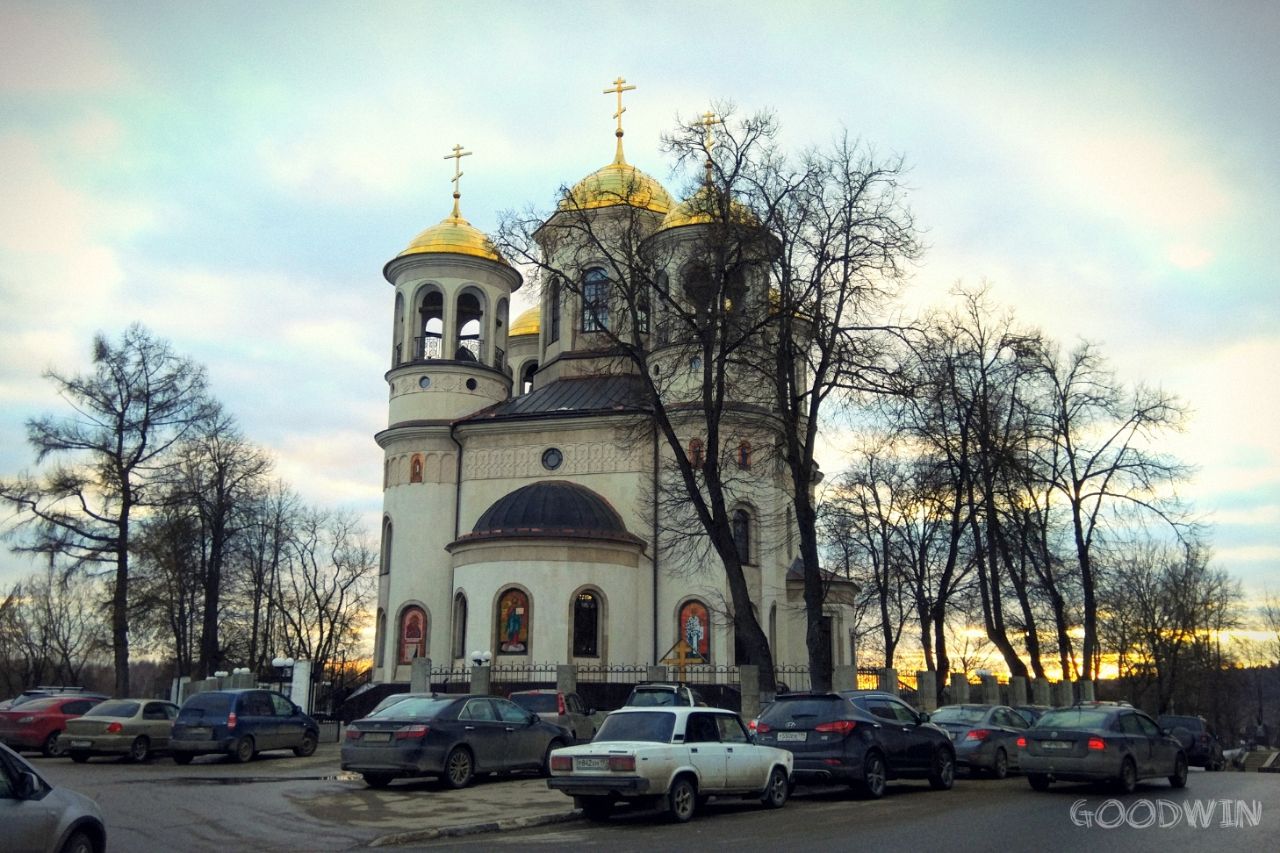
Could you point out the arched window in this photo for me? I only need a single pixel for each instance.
(512, 623)
(697, 455)
(595, 301)
(694, 627)
(470, 328)
(385, 566)
(553, 312)
(642, 312)
(742, 535)
(526, 377)
(397, 331)
(413, 634)
(380, 638)
(586, 624)
(662, 285)
(459, 626)
(431, 342)
(415, 468)
(744, 454)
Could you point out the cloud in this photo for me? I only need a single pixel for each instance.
(55, 49)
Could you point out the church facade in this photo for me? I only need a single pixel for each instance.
(519, 480)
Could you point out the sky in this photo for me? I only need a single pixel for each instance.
(233, 175)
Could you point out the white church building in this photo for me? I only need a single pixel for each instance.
(518, 515)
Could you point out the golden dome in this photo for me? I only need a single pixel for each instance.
(454, 235)
(697, 209)
(617, 183)
(528, 323)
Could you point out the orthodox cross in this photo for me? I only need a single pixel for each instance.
(708, 121)
(456, 157)
(619, 86)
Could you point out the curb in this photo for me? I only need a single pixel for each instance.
(414, 836)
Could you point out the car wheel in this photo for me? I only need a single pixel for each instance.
(1000, 768)
(546, 759)
(1179, 777)
(1039, 781)
(1127, 781)
(378, 780)
(596, 808)
(458, 768)
(242, 752)
(139, 749)
(942, 774)
(182, 757)
(776, 792)
(874, 776)
(79, 756)
(682, 800)
(52, 746)
(307, 747)
(79, 842)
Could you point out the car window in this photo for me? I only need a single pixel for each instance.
(478, 709)
(6, 784)
(1012, 719)
(1073, 718)
(958, 714)
(283, 707)
(653, 698)
(654, 726)
(418, 708)
(805, 712)
(731, 730)
(258, 705)
(539, 703)
(79, 706)
(701, 728)
(1147, 727)
(509, 712)
(573, 703)
(207, 704)
(1129, 724)
(113, 708)
(154, 711)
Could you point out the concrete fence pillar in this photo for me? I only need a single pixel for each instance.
(959, 688)
(480, 680)
(990, 690)
(420, 675)
(1064, 695)
(656, 673)
(844, 677)
(889, 680)
(1042, 692)
(242, 680)
(213, 683)
(566, 678)
(927, 690)
(1018, 690)
(1086, 690)
(749, 685)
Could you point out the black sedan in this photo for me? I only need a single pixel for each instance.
(452, 737)
(863, 738)
(1100, 743)
(986, 736)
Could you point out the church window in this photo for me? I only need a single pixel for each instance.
(586, 624)
(526, 377)
(642, 312)
(385, 566)
(694, 627)
(695, 364)
(662, 286)
(459, 626)
(513, 622)
(415, 468)
(742, 535)
(397, 332)
(744, 454)
(413, 634)
(697, 455)
(552, 458)
(430, 343)
(470, 328)
(380, 638)
(595, 301)
(553, 310)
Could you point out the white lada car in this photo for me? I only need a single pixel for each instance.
(671, 758)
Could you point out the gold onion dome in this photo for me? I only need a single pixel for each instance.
(617, 183)
(454, 235)
(705, 206)
(528, 323)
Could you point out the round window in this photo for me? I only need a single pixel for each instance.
(471, 385)
(424, 382)
(551, 458)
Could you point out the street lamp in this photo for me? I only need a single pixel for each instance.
(480, 658)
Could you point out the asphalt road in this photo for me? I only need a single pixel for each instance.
(282, 803)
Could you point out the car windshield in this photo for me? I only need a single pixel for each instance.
(113, 708)
(958, 714)
(653, 726)
(805, 711)
(539, 703)
(42, 704)
(651, 697)
(1074, 718)
(1171, 722)
(419, 708)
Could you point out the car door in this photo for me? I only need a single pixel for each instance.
(526, 742)
(484, 733)
(28, 824)
(1012, 725)
(902, 742)
(156, 722)
(581, 723)
(256, 717)
(706, 753)
(745, 763)
(1163, 754)
(1136, 741)
(289, 723)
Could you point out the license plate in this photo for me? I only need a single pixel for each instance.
(377, 737)
(1055, 744)
(199, 734)
(590, 764)
(81, 744)
(793, 736)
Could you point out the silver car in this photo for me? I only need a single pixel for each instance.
(1100, 743)
(36, 816)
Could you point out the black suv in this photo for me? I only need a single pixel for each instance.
(240, 724)
(860, 737)
(1197, 738)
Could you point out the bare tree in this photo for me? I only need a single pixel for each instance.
(50, 629)
(127, 414)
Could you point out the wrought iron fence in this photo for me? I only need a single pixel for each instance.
(612, 673)
(531, 673)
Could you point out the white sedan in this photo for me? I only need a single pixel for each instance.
(672, 758)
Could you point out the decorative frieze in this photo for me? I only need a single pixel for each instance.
(525, 460)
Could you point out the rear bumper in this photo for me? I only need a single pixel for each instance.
(811, 770)
(201, 747)
(587, 786)
(1087, 769)
(96, 743)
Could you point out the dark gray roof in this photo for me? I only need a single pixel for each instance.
(569, 397)
(552, 508)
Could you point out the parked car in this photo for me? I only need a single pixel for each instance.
(38, 818)
(986, 736)
(1201, 745)
(240, 724)
(46, 691)
(1031, 713)
(37, 724)
(673, 758)
(449, 736)
(1096, 743)
(564, 709)
(134, 728)
(648, 694)
(859, 737)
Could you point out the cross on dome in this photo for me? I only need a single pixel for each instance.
(619, 86)
(708, 121)
(456, 157)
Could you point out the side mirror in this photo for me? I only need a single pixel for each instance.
(924, 716)
(28, 785)
(533, 718)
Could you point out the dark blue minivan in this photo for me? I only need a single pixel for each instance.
(240, 724)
